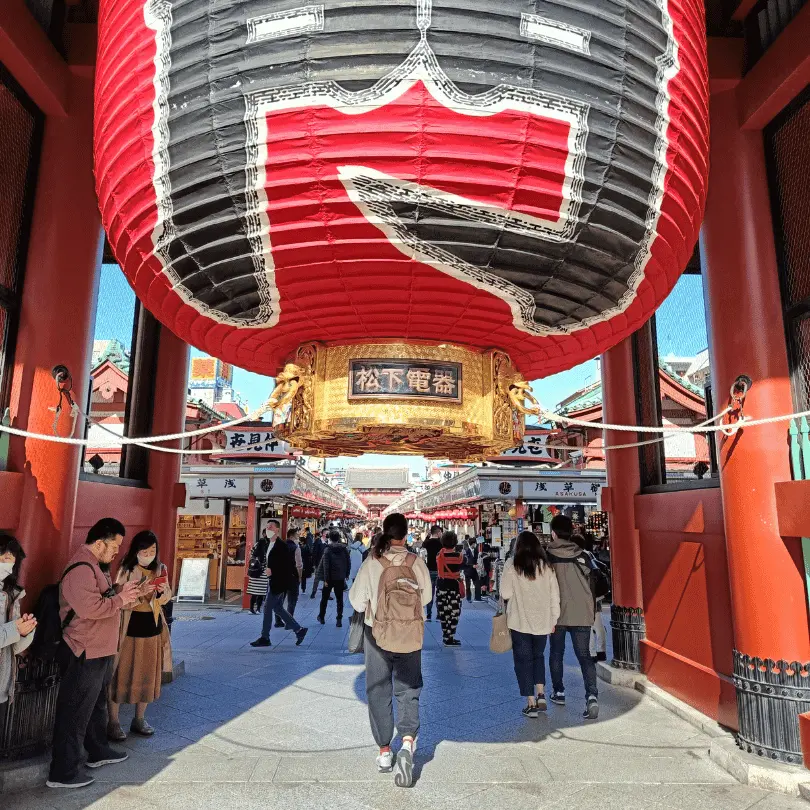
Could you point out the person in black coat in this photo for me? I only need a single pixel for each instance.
(318, 548)
(337, 564)
(306, 560)
(283, 575)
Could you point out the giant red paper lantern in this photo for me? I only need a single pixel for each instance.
(510, 173)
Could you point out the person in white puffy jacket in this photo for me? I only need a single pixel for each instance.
(532, 596)
(16, 628)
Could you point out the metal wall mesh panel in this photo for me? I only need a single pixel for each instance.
(799, 336)
(16, 133)
(788, 144)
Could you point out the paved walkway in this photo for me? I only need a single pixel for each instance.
(287, 728)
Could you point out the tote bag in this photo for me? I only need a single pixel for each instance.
(357, 626)
(501, 639)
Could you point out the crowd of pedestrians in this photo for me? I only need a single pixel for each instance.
(111, 640)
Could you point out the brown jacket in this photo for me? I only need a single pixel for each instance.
(134, 575)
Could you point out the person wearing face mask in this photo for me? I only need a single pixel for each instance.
(281, 568)
(144, 649)
(90, 612)
(16, 628)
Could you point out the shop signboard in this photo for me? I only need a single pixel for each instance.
(496, 539)
(533, 448)
(509, 531)
(564, 491)
(255, 443)
(193, 586)
(208, 486)
(540, 490)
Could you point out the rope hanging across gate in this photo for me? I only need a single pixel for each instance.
(287, 387)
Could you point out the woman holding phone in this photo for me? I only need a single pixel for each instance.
(144, 648)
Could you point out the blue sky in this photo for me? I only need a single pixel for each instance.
(680, 321)
(115, 312)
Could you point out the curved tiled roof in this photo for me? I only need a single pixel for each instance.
(591, 396)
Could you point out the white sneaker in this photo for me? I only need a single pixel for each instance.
(385, 762)
(404, 771)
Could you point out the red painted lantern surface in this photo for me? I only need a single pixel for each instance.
(499, 173)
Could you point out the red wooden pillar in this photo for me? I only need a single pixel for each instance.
(56, 325)
(250, 533)
(747, 337)
(168, 416)
(624, 482)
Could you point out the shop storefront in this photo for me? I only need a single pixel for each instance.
(226, 509)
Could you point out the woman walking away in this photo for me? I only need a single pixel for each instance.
(16, 628)
(144, 649)
(449, 588)
(529, 587)
(392, 588)
(258, 581)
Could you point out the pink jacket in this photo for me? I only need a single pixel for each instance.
(95, 627)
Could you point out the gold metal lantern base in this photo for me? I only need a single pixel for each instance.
(442, 401)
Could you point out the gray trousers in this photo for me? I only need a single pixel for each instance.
(390, 675)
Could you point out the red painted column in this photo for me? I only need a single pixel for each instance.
(747, 337)
(168, 416)
(250, 534)
(623, 475)
(624, 482)
(56, 326)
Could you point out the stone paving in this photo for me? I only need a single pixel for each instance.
(287, 728)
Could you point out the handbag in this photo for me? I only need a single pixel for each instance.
(255, 567)
(501, 639)
(357, 631)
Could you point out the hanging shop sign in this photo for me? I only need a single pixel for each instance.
(453, 514)
(537, 490)
(255, 443)
(411, 379)
(533, 448)
(305, 512)
(209, 486)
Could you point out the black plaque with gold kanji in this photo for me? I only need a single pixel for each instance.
(411, 379)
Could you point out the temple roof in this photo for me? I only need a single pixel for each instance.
(591, 396)
(378, 478)
(112, 350)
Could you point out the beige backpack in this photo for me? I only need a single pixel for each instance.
(399, 621)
